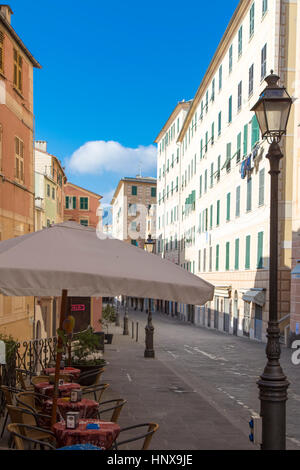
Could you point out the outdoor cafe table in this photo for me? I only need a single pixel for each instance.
(66, 371)
(44, 388)
(87, 408)
(103, 437)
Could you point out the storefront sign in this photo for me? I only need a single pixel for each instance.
(78, 308)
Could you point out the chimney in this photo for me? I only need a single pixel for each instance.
(6, 12)
(41, 145)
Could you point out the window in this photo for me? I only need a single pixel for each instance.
(210, 258)
(220, 77)
(206, 141)
(228, 157)
(219, 168)
(19, 159)
(133, 190)
(84, 203)
(227, 256)
(211, 175)
(251, 78)
(220, 123)
(230, 109)
(238, 201)
(212, 133)
(238, 147)
(199, 260)
(200, 186)
(217, 257)
(206, 101)
(228, 208)
(153, 192)
(254, 132)
(132, 210)
(213, 91)
(48, 190)
(247, 256)
(251, 21)
(1, 52)
(84, 222)
(237, 254)
(201, 149)
(260, 260)
(218, 213)
(204, 260)
(53, 193)
(18, 64)
(239, 96)
(249, 195)
(240, 41)
(211, 217)
(245, 144)
(263, 62)
(205, 181)
(264, 7)
(230, 59)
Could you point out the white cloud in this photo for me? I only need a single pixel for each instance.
(100, 156)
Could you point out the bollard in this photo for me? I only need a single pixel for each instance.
(137, 331)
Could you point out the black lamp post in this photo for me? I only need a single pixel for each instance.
(125, 324)
(149, 351)
(272, 111)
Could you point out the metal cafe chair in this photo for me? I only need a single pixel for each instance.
(147, 436)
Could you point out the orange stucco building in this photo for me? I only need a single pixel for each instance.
(17, 198)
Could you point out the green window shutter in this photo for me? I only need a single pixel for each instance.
(245, 146)
(206, 141)
(74, 202)
(251, 25)
(153, 192)
(237, 254)
(201, 149)
(220, 77)
(227, 255)
(205, 181)
(211, 175)
(217, 257)
(219, 167)
(219, 123)
(249, 195)
(247, 257)
(228, 207)
(238, 201)
(206, 220)
(230, 109)
(261, 194)
(211, 216)
(218, 213)
(212, 133)
(255, 132)
(67, 202)
(260, 241)
(240, 41)
(200, 187)
(238, 147)
(228, 157)
(230, 58)
(133, 190)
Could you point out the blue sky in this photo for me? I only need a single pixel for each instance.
(112, 73)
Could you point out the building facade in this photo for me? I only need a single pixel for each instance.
(220, 229)
(133, 208)
(17, 186)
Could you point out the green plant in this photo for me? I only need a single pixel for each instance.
(10, 347)
(108, 316)
(85, 348)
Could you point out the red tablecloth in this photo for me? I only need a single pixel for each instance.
(47, 389)
(103, 437)
(87, 408)
(66, 371)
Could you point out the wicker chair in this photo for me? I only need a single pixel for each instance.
(96, 390)
(21, 415)
(116, 410)
(151, 429)
(22, 433)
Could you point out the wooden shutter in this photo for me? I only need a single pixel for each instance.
(1, 51)
(249, 194)
(67, 202)
(228, 207)
(245, 149)
(74, 202)
(260, 250)
(211, 216)
(230, 109)
(237, 253)
(238, 147)
(218, 213)
(255, 131)
(227, 255)
(217, 257)
(261, 196)
(247, 257)
(238, 201)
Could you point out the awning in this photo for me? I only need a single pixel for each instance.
(256, 296)
(223, 291)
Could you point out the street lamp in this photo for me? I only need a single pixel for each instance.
(125, 322)
(149, 329)
(272, 112)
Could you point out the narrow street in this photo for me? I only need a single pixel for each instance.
(222, 368)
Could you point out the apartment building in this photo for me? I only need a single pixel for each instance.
(133, 209)
(17, 192)
(221, 201)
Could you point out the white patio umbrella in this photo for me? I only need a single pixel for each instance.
(69, 259)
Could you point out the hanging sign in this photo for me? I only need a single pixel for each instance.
(2, 353)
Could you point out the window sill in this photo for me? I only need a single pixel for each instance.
(18, 92)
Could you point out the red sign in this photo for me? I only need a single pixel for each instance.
(77, 308)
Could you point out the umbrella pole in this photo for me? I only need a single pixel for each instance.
(59, 354)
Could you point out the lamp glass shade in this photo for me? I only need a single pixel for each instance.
(149, 245)
(277, 113)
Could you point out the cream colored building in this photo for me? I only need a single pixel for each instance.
(133, 211)
(216, 221)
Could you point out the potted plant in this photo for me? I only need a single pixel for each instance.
(108, 316)
(85, 352)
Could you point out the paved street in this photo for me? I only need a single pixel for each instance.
(220, 368)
